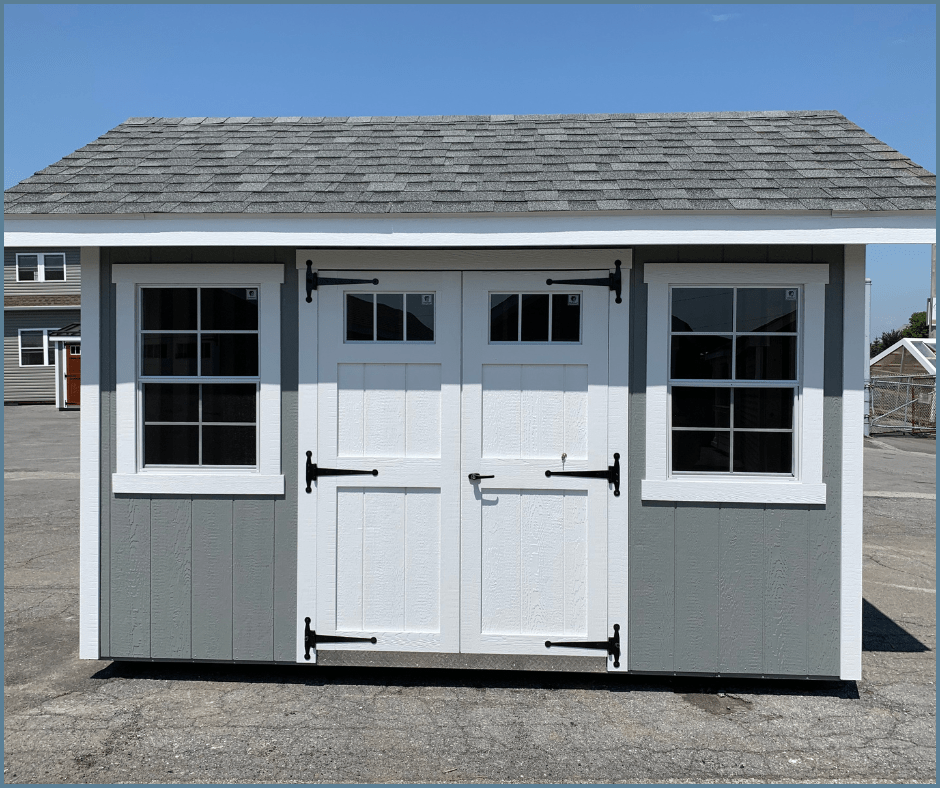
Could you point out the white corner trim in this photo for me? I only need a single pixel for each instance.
(733, 491)
(130, 477)
(89, 517)
(808, 487)
(855, 357)
(198, 483)
(626, 228)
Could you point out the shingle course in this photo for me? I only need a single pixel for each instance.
(814, 160)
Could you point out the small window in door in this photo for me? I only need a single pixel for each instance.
(75, 350)
(390, 317)
(535, 317)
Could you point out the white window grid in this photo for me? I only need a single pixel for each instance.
(375, 317)
(551, 300)
(198, 379)
(733, 383)
(41, 266)
(46, 362)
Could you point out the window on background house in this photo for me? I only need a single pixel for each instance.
(40, 267)
(35, 348)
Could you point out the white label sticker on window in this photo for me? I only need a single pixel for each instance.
(251, 293)
(574, 300)
(427, 299)
(790, 294)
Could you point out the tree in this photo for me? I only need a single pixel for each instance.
(915, 328)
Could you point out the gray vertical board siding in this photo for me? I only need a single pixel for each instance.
(199, 577)
(285, 508)
(739, 588)
(171, 543)
(73, 273)
(130, 577)
(253, 579)
(212, 579)
(31, 383)
(697, 587)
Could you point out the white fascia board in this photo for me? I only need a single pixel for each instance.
(42, 306)
(474, 230)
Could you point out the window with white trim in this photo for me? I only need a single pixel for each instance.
(40, 267)
(734, 383)
(198, 379)
(35, 349)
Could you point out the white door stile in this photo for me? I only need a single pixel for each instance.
(306, 441)
(388, 545)
(618, 430)
(533, 549)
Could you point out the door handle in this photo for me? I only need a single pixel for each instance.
(475, 477)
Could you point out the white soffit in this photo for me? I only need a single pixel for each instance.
(559, 229)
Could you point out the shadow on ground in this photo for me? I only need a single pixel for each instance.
(880, 633)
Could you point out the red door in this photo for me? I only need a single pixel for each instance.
(73, 374)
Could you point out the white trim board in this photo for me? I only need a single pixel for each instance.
(855, 357)
(129, 478)
(90, 460)
(473, 230)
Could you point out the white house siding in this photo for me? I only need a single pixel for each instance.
(34, 383)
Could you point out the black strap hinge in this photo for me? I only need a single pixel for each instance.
(614, 281)
(611, 645)
(612, 474)
(314, 281)
(311, 639)
(314, 472)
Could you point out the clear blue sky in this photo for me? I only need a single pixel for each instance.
(71, 72)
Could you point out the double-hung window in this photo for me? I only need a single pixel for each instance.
(40, 267)
(198, 379)
(734, 383)
(35, 350)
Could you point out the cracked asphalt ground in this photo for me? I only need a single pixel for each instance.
(72, 721)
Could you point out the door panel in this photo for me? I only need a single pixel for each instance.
(534, 557)
(388, 545)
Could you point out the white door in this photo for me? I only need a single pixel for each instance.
(535, 380)
(388, 399)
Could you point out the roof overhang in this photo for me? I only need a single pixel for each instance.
(558, 229)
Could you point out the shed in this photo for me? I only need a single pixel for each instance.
(567, 392)
(67, 347)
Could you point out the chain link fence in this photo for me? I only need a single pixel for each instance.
(904, 403)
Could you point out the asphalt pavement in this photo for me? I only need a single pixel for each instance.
(73, 721)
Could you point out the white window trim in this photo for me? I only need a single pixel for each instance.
(130, 477)
(41, 266)
(807, 486)
(45, 347)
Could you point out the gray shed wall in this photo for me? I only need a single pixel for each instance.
(735, 588)
(199, 577)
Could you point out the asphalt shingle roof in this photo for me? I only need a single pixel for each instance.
(480, 164)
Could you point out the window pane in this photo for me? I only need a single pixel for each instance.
(27, 267)
(171, 402)
(766, 358)
(535, 318)
(171, 444)
(705, 309)
(168, 309)
(229, 402)
(230, 355)
(769, 408)
(764, 309)
(31, 358)
(701, 451)
(701, 407)
(701, 357)
(228, 445)
(504, 318)
(763, 452)
(390, 317)
(566, 317)
(420, 317)
(54, 265)
(168, 354)
(229, 308)
(51, 352)
(359, 317)
(31, 340)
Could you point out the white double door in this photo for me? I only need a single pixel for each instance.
(419, 556)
